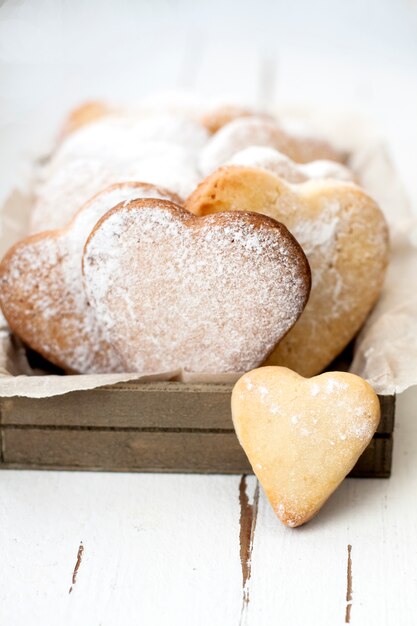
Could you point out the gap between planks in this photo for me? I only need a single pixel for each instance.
(248, 518)
(349, 589)
(124, 429)
(77, 566)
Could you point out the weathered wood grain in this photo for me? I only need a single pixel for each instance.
(143, 451)
(163, 404)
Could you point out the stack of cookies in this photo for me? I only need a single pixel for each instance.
(212, 242)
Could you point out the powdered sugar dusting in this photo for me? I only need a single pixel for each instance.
(217, 296)
(237, 135)
(323, 169)
(251, 131)
(333, 384)
(314, 389)
(160, 149)
(68, 181)
(271, 160)
(120, 136)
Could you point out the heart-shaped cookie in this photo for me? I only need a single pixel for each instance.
(42, 294)
(122, 136)
(57, 196)
(257, 131)
(302, 436)
(211, 294)
(278, 163)
(345, 238)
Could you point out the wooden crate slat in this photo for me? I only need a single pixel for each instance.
(164, 404)
(376, 461)
(167, 404)
(136, 450)
(125, 450)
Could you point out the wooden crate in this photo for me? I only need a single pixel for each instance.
(146, 427)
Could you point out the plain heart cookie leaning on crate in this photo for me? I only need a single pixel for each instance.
(202, 294)
(302, 436)
(344, 235)
(42, 295)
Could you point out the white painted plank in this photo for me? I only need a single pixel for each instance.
(157, 549)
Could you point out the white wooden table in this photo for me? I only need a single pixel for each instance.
(126, 549)
(168, 549)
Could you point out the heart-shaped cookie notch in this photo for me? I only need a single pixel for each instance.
(175, 291)
(302, 436)
(344, 235)
(42, 294)
(243, 132)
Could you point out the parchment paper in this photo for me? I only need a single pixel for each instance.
(386, 349)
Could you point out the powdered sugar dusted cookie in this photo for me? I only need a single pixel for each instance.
(67, 184)
(278, 163)
(257, 131)
(121, 136)
(302, 437)
(344, 235)
(42, 295)
(117, 147)
(211, 294)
